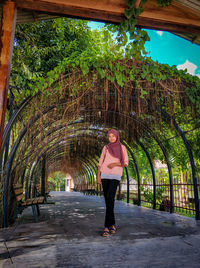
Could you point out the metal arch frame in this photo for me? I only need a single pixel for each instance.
(51, 107)
(191, 161)
(152, 171)
(16, 144)
(88, 166)
(53, 148)
(171, 189)
(80, 122)
(58, 141)
(11, 121)
(9, 125)
(60, 128)
(128, 181)
(127, 175)
(30, 122)
(88, 173)
(52, 145)
(132, 155)
(93, 166)
(93, 130)
(23, 132)
(169, 119)
(84, 162)
(186, 143)
(169, 171)
(63, 145)
(89, 169)
(85, 172)
(137, 171)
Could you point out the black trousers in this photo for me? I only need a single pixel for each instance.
(109, 190)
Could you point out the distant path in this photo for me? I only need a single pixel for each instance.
(68, 234)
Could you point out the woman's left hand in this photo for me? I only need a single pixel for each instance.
(112, 165)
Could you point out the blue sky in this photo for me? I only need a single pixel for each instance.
(165, 47)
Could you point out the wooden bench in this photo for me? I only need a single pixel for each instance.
(22, 203)
(38, 188)
(38, 192)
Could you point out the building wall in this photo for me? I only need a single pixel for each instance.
(69, 183)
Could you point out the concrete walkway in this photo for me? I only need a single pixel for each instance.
(68, 234)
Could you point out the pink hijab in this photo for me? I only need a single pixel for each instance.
(115, 148)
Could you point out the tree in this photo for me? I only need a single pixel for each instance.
(58, 179)
(45, 50)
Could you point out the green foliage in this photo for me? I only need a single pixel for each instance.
(148, 194)
(58, 179)
(43, 51)
(164, 3)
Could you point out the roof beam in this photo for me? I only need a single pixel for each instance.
(176, 17)
(137, 3)
(196, 39)
(7, 31)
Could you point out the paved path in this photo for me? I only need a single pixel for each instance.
(68, 234)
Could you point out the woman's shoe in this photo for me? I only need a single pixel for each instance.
(106, 232)
(112, 229)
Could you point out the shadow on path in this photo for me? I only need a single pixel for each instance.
(68, 234)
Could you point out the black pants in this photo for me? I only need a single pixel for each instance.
(109, 189)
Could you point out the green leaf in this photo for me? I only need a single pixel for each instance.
(119, 78)
(130, 3)
(129, 13)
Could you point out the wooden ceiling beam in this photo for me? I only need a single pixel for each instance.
(35, 16)
(137, 3)
(7, 32)
(196, 39)
(176, 17)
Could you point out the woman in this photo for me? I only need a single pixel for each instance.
(110, 169)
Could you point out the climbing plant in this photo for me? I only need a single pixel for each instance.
(48, 49)
(48, 53)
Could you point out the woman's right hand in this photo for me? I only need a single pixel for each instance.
(98, 177)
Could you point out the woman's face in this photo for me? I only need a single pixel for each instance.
(112, 138)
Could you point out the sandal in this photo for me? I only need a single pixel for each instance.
(112, 229)
(106, 232)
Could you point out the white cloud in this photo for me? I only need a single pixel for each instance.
(191, 67)
(159, 33)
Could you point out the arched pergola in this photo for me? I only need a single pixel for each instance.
(71, 130)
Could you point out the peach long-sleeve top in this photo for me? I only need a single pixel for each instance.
(106, 158)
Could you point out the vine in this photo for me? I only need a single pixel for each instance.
(119, 60)
(164, 3)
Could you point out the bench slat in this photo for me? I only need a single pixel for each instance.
(17, 185)
(38, 187)
(27, 203)
(18, 191)
(33, 201)
(38, 200)
(19, 197)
